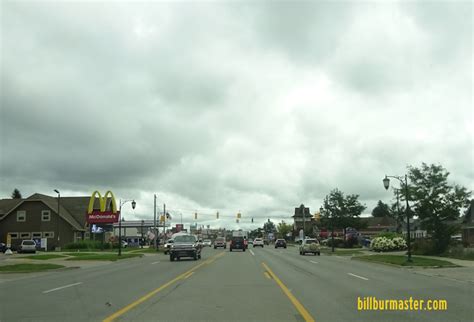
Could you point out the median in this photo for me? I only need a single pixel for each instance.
(400, 260)
(99, 256)
(28, 268)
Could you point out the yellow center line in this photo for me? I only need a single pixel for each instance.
(305, 314)
(155, 291)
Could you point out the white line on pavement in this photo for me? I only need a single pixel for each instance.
(155, 263)
(363, 278)
(251, 252)
(314, 262)
(60, 288)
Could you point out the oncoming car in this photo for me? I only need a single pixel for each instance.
(185, 246)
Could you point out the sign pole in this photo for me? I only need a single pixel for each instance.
(154, 223)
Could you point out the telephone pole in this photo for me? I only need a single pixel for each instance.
(155, 230)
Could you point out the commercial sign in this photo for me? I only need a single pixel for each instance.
(179, 227)
(102, 215)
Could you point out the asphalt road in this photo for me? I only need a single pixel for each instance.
(256, 285)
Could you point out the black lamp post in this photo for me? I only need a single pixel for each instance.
(120, 222)
(58, 224)
(386, 184)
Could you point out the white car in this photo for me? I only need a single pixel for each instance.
(258, 242)
(27, 246)
(207, 243)
(167, 246)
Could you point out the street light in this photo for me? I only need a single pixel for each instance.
(59, 197)
(386, 184)
(120, 222)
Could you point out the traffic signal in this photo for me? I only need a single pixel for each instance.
(162, 218)
(195, 216)
(252, 220)
(217, 215)
(237, 220)
(239, 215)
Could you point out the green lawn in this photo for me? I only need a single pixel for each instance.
(402, 260)
(42, 257)
(341, 251)
(99, 256)
(146, 251)
(28, 268)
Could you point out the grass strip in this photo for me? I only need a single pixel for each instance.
(101, 257)
(42, 257)
(402, 261)
(28, 268)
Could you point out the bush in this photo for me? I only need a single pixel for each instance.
(384, 244)
(337, 242)
(423, 247)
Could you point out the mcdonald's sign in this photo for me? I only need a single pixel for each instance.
(102, 215)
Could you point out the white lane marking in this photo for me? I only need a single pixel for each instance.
(60, 288)
(155, 263)
(314, 262)
(251, 252)
(363, 278)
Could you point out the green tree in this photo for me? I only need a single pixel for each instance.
(341, 211)
(269, 227)
(436, 202)
(16, 194)
(283, 229)
(381, 210)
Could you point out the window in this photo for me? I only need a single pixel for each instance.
(21, 216)
(25, 235)
(45, 215)
(48, 234)
(14, 235)
(36, 235)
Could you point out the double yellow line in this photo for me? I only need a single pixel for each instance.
(304, 313)
(142, 299)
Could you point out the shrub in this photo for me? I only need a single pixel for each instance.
(423, 247)
(85, 244)
(384, 244)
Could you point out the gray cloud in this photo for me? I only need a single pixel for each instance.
(247, 107)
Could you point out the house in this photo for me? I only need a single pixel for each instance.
(298, 220)
(468, 225)
(377, 225)
(36, 217)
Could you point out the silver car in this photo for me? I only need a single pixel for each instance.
(27, 246)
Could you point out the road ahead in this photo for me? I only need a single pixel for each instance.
(256, 285)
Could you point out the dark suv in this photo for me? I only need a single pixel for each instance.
(185, 246)
(280, 243)
(237, 243)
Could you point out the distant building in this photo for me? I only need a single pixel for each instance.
(377, 225)
(300, 216)
(468, 225)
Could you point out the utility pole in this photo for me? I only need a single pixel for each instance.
(155, 231)
(164, 221)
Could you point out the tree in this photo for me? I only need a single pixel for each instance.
(283, 229)
(341, 211)
(269, 227)
(381, 210)
(16, 194)
(436, 202)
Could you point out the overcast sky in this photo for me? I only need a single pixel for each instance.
(247, 106)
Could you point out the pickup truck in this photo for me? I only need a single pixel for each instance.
(185, 246)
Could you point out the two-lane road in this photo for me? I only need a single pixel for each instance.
(257, 285)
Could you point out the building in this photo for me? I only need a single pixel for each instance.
(298, 218)
(468, 226)
(377, 225)
(36, 217)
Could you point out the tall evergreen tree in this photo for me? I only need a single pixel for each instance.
(16, 194)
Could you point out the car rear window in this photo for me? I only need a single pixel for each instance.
(185, 239)
(311, 241)
(28, 242)
(220, 239)
(238, 238)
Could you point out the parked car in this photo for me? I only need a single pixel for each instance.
(258, 242)
(310, 245)
(206, 243)
(280, 243)
(124, 244)
(3, 247)
(220, 242)
(237, 243)
(185, 246)
(27, 246)
(167, 246)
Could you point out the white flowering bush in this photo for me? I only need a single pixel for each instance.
(384, 244)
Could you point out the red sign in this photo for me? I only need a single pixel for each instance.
(179, 227)
(96, 217)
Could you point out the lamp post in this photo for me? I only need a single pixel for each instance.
(304, 219)
(386, 184)
(141, 242)
(120, 222)
(58, 239)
